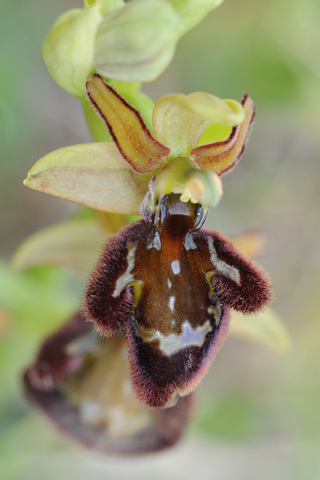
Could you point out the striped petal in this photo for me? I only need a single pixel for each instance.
(219, 157)
(126, 126)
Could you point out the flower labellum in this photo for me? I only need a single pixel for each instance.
(169, 285)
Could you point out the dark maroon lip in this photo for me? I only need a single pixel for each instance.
(169, 285)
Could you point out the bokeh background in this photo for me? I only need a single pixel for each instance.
(258, 414)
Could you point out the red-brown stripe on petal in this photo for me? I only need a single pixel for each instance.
(127, 128)
(219, 157)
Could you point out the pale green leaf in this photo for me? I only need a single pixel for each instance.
(74, 244)
(266, 329)
(93, 174)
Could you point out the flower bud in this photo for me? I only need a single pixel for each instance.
(137, 42)
(68, 49)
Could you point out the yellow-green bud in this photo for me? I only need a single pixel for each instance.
(68, 49)
(137, 42)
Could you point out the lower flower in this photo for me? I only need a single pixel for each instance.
(82, 384)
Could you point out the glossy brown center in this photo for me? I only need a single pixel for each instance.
(174, 304)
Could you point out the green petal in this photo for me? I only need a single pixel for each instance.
(177, 126)
(72, 244)
(136, 144)
(180, 120)
(137, 42)
(68, 49)
(265, 328)
(92, 174)
(214, 133)
(193, 11)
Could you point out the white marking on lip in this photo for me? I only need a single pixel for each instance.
(126, 277)
(169, 283)
(175, 267)
(222, 266)
(172, 301)
(189, 336)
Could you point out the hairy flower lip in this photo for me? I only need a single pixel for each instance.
(142, 283)
(48, 394)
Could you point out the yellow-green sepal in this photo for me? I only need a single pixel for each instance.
(92, 174)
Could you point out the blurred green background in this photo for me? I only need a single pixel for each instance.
(258, 414)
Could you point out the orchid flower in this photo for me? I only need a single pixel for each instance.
(164, 281)
(81, 383)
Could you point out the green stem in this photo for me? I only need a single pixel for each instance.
(97, 127)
